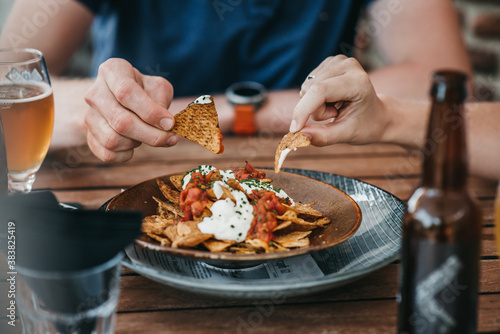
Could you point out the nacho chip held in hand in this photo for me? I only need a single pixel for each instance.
(291, 141)
(199, 122)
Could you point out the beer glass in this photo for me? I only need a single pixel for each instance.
(27, 114)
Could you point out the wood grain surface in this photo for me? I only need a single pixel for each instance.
(365, 306)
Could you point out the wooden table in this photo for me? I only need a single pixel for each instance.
(365, 306)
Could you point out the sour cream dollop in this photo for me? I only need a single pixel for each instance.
(204, 99)
(229, 220)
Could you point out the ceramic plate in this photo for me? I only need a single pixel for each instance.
(342, 210)
(375, 244)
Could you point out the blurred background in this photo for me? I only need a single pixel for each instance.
(480, 21)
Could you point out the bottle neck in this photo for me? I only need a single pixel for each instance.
(445, 156)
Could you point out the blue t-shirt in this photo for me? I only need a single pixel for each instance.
(203, 46)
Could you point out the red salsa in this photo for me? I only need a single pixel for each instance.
(266, 204)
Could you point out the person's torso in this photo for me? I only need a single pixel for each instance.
(202, 46)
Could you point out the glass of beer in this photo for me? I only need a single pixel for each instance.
(27, 114)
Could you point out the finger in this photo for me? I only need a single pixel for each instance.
(325, 112)
(341, 88)
(329, 62)
(313, 102)
(328, 68)
(105, 154)
(123, 121)
(122, 81)
(327, 134)
(159, 89)
(105, 135)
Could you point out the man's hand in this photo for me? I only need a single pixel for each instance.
(127, 108)
(340, 93)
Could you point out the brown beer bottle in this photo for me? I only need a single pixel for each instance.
(441, 231)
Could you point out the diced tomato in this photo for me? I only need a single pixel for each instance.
(263, 223)
(272, 202)
(193, 200)
(267, 205)
(197, 180)
(248, 173)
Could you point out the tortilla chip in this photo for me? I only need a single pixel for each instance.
(288, 215)
(294, 243)
(191, 240)
(187, 234)
(171, 232)
(206, 213)
(176, 181)
(162, 240)
(170, 193)
(226, 193)
(187, 228)
(283, 225)
(155, 224)
(164, 208)
(293, 239)
(200, 123)
(233, 183)
(292, 216)
(291, 141)
(304, 209)
(242, 250)
(257, 243)
(295, 228)
(215, 176)
(276, 247)
(215, 245)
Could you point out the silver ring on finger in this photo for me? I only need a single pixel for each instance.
(311, 76)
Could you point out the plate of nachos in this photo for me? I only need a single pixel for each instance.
(244, 215)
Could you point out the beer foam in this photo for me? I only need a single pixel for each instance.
(43, 90)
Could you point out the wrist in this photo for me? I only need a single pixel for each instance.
(70, 109)
(387, 108)
(246, 97)
(406, 121)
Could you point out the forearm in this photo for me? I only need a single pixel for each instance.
(70, 108)
(408, 80)
(407, 122)
(408, 128)
(414, 47)
(483, 138)
(404, 80)
(58, 38)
